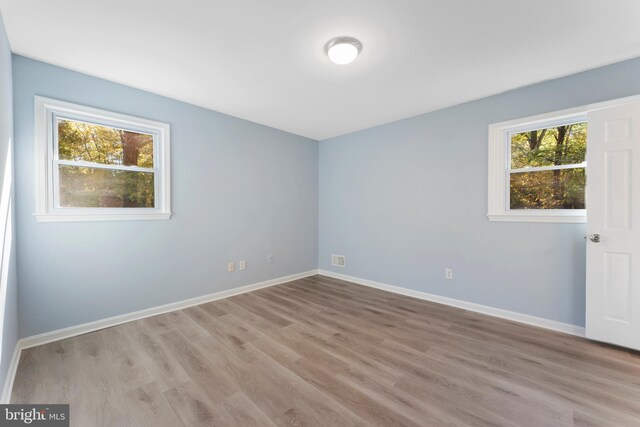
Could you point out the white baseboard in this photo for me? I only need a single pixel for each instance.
(84, 328)
(11, 374)
(479, 308)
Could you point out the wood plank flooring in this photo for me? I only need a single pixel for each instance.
(324, 352)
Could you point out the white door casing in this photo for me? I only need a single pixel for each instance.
(613, 215)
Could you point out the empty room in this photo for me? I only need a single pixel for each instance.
(331, 213)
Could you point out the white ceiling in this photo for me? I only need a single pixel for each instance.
(264, 60)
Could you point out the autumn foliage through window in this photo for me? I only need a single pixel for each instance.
(547, 167)
(103, 166)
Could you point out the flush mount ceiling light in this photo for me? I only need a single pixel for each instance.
(342, 50)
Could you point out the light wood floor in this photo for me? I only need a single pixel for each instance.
(324, 352)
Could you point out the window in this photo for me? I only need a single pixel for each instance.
(97, 165)
(537, 169)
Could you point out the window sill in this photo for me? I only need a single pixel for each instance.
(102, 217)
(575, 219)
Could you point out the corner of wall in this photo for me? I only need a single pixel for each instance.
(8, 273)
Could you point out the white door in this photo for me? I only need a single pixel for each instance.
(613, 225)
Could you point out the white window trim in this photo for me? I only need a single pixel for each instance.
(45, 112)
(497, 207)
(499, 167)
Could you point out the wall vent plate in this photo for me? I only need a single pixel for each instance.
(338, 261)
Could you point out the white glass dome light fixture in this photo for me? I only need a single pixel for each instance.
(343, 50)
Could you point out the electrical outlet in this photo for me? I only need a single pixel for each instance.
(242, 265)
(271, 259)
(338, 261)
(231, 267)
(448, 274)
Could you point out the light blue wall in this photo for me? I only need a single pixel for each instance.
(239, 191)
(8, 287)
(405, 200)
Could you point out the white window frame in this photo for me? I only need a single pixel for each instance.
(47, 190)
(500, 168)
